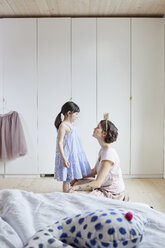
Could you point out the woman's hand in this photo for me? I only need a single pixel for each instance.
(71, 190)
(73, 182)
(66, 163)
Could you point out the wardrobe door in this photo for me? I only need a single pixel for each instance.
(113, 80)
(84, 81)
(1, 83)
(54, 86)
(20, 88)
(1, 67)
(147, 93)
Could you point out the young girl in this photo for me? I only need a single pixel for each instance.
(70, 162)
(109, 181)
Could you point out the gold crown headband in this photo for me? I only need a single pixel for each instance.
(106, 117)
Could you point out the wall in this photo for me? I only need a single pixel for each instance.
(100, 63)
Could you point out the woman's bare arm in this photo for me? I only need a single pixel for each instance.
(105, 167)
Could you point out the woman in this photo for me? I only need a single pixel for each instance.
(109, 181)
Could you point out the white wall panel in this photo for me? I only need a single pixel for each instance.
(147, 91)
(20, 88)
(98, 62)
(84, 81)
(1, 67)
(113, 80)
(1, 81)
(53, 84)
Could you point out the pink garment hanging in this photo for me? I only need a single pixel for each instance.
(12, 139)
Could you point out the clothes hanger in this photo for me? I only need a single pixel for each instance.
(4, 109)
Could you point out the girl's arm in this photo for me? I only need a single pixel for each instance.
(61, 133)
(105, 167)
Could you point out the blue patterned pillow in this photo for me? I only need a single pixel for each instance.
(101, 228)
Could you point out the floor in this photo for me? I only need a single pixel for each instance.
(149, 191)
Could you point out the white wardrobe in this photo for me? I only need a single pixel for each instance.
(113, 65)
(113, 80)
(147, 109)
(1, 89)
(53, 84)
(65, 70)
(19, 83)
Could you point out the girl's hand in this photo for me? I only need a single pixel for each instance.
(66, 163)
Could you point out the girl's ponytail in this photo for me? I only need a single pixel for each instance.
(58, 121)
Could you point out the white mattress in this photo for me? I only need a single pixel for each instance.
(24, 213)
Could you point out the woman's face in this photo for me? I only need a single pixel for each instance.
(98, 132)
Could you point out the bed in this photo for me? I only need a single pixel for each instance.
(23, 213)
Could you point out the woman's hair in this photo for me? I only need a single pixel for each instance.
(110, 129)
(68, 106)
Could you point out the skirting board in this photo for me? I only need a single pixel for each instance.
(15, 176)
(143, 176)
(51, 175)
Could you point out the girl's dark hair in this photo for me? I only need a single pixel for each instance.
(110, 129)
(68, 106)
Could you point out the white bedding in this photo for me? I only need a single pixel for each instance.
(24, 213)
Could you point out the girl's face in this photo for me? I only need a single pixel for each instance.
(98, 132)
(73, 116)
